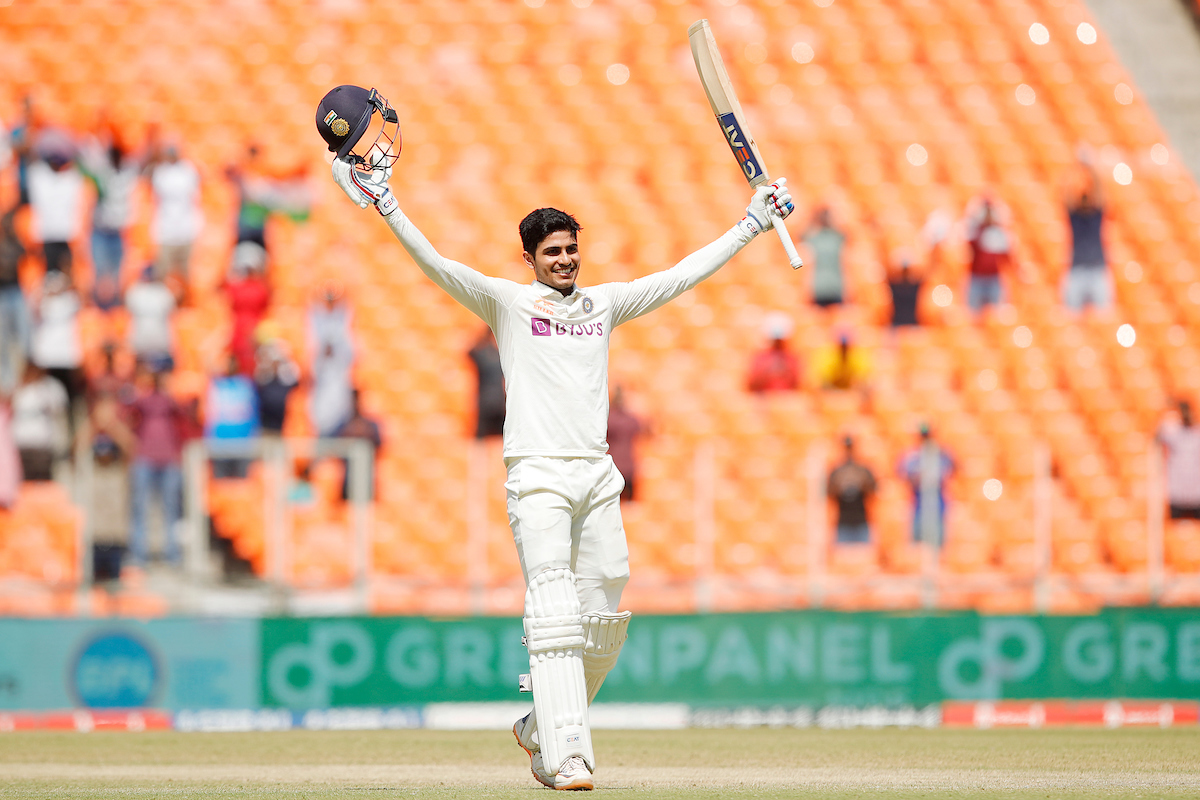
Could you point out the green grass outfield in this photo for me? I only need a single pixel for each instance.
(769, 763)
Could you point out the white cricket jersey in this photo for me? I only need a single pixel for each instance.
(554, 349)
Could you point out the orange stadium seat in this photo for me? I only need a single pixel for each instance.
(940, 73)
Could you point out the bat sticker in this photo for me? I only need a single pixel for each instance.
(740, 146)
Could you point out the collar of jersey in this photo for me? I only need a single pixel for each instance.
(546, 291)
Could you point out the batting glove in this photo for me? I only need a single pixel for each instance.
(770, 201)
(365, 188)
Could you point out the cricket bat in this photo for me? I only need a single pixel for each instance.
(724, 102)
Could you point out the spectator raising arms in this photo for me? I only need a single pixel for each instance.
(253, 199)
(56, 347)
(114, 173)
(842, 367)
(991, 254)
(1088, 281)
(177, 217)
(56, 196)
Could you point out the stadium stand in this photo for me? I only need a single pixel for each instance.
(519, 105)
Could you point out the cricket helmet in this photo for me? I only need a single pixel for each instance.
(346, 114)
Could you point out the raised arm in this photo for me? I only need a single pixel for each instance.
(478, 293)
(638, 297)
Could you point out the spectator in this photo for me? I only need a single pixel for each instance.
(623, 430)
(826, 243)
(56, 347)
(14, 312)
(850, 485)
(39, 423)
(276, 377)
(926, 468)
(56, 196)
(231, 419)
(10, 459)
(177, 217)
(1088, 281)
(158, 425)
(1181, 441)
(253, 199)
(842, 367)
(112, 444)
(332, 358)
(151, 305)
(490, 398)
(775, 368)
(249, 298)
(991, 254)
(114, 173)
(905, 288)
(109, 509)
(359, 426)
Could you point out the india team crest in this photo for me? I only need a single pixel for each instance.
(588, 305)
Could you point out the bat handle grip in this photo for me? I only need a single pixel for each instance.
(788, 246)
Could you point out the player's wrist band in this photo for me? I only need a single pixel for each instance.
(748, 224)
(387, 203)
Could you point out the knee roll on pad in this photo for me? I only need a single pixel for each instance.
(606, 634)
(555, 638)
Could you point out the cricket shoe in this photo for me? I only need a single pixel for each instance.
(572, 776)
(525, 729)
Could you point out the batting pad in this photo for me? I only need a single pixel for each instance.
(605, 635)
(554, 637)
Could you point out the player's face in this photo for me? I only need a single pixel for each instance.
(556, 262)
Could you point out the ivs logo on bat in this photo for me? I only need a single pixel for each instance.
(739, 143)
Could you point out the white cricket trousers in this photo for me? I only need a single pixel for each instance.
(565, 513)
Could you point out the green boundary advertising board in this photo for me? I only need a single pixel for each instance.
(801, 658)
(789, 658)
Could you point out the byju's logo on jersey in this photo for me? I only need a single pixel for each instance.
(544, 327)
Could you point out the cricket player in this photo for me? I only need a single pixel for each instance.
(563, 490)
